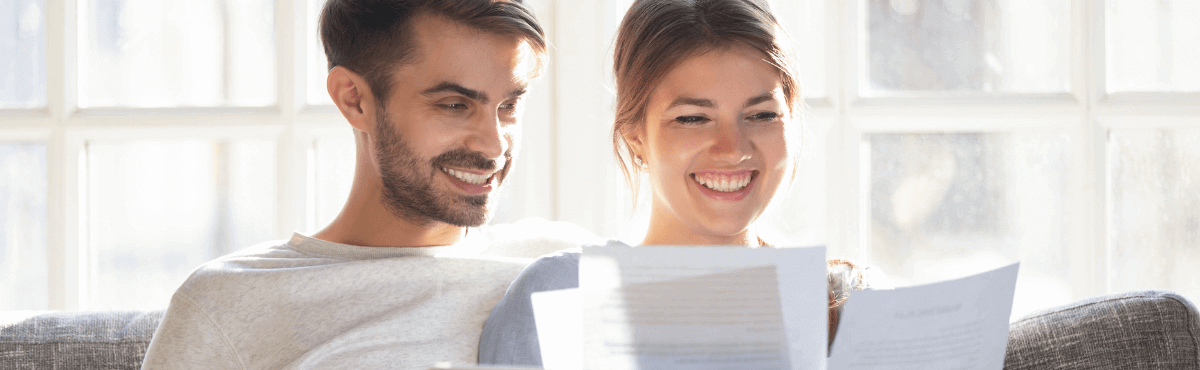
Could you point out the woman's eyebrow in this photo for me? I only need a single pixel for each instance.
(706, 103)
(767, 96)
(685, 100)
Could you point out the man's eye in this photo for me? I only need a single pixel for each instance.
(454, 106)
(509, 106)
(691, 120)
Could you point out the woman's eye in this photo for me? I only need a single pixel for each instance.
(764, 117)
(691, 120)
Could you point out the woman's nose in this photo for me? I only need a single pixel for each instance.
(730, 144)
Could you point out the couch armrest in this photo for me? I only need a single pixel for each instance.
(1136, 330)
(78, 340)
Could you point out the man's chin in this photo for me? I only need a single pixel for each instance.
(471, 211)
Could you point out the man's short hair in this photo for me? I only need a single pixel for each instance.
(372, 37)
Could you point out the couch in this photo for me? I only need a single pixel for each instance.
(1155, 330)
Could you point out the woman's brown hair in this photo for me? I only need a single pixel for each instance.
(657, 35)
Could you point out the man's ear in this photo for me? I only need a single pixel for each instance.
(353, 97)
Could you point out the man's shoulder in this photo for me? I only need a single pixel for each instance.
(238, 271)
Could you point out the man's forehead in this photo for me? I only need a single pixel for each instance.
(447, 52)
(433, 33)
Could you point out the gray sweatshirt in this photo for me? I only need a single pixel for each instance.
(308, 303)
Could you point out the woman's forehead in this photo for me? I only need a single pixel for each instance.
(726, 72)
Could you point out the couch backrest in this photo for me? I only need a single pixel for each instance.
(1152, 330)
(78, 340)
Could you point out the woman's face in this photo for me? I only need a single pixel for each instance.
(714, 146)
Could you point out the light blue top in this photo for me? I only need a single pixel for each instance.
(510, 337)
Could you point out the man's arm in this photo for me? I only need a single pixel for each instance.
(187, 338)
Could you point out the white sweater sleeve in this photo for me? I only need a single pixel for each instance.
(188, 338)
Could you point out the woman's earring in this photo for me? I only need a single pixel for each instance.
(637, 160)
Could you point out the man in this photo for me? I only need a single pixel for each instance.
(433, 91)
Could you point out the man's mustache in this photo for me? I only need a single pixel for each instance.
(470, 160)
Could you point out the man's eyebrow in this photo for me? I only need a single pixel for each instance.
(684, 100)
(516, 93)
(456, 88)
(767, 96)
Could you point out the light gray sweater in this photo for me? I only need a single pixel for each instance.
(308, 303)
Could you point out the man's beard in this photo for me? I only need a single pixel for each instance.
(408, 181)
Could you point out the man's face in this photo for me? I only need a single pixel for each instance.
(445, 137)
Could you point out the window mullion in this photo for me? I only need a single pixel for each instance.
(290, 159)
(844, 162)
(62, 239)
(1093, 244)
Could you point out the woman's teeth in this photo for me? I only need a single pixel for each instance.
(467, 177)
(724, 183)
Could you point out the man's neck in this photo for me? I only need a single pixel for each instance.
(365, 221)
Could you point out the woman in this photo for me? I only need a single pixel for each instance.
(707, 108)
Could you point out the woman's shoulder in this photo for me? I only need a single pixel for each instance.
(559, 270)
(554, 271)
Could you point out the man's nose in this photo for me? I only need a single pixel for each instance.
(487, 136)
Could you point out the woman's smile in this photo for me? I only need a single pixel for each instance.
(725, 185)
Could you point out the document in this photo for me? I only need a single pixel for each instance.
(703, 308)
(956, 324)
(558, 316)
(735, 308)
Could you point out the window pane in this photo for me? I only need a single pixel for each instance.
(318, 66)
(949, 205)
(22, 54)
(804, 21)
(966, 46)
(23, 274)
(173, 53)
(333, 173)
(1154, 231)
(1152, 45)
(159, 209)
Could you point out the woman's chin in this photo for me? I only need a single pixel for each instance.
(723, 230)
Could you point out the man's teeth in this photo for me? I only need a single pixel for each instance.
(724, 183)
(468, 177)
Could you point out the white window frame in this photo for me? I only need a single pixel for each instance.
(566, 132)
(1086, 113)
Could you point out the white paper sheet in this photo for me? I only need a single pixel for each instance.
(703, 308)
(558, 316)
(956, 324)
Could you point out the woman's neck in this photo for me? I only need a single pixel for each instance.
(660, 233)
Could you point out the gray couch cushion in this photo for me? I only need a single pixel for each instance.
(1138, 330)
(78, 340)
(1152, 330)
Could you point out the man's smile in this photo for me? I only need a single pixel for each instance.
(472, 182)
(470, 177)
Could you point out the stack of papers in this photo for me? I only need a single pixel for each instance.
(711, 308)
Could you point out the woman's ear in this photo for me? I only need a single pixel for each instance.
(635, 139)
(353, 97)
